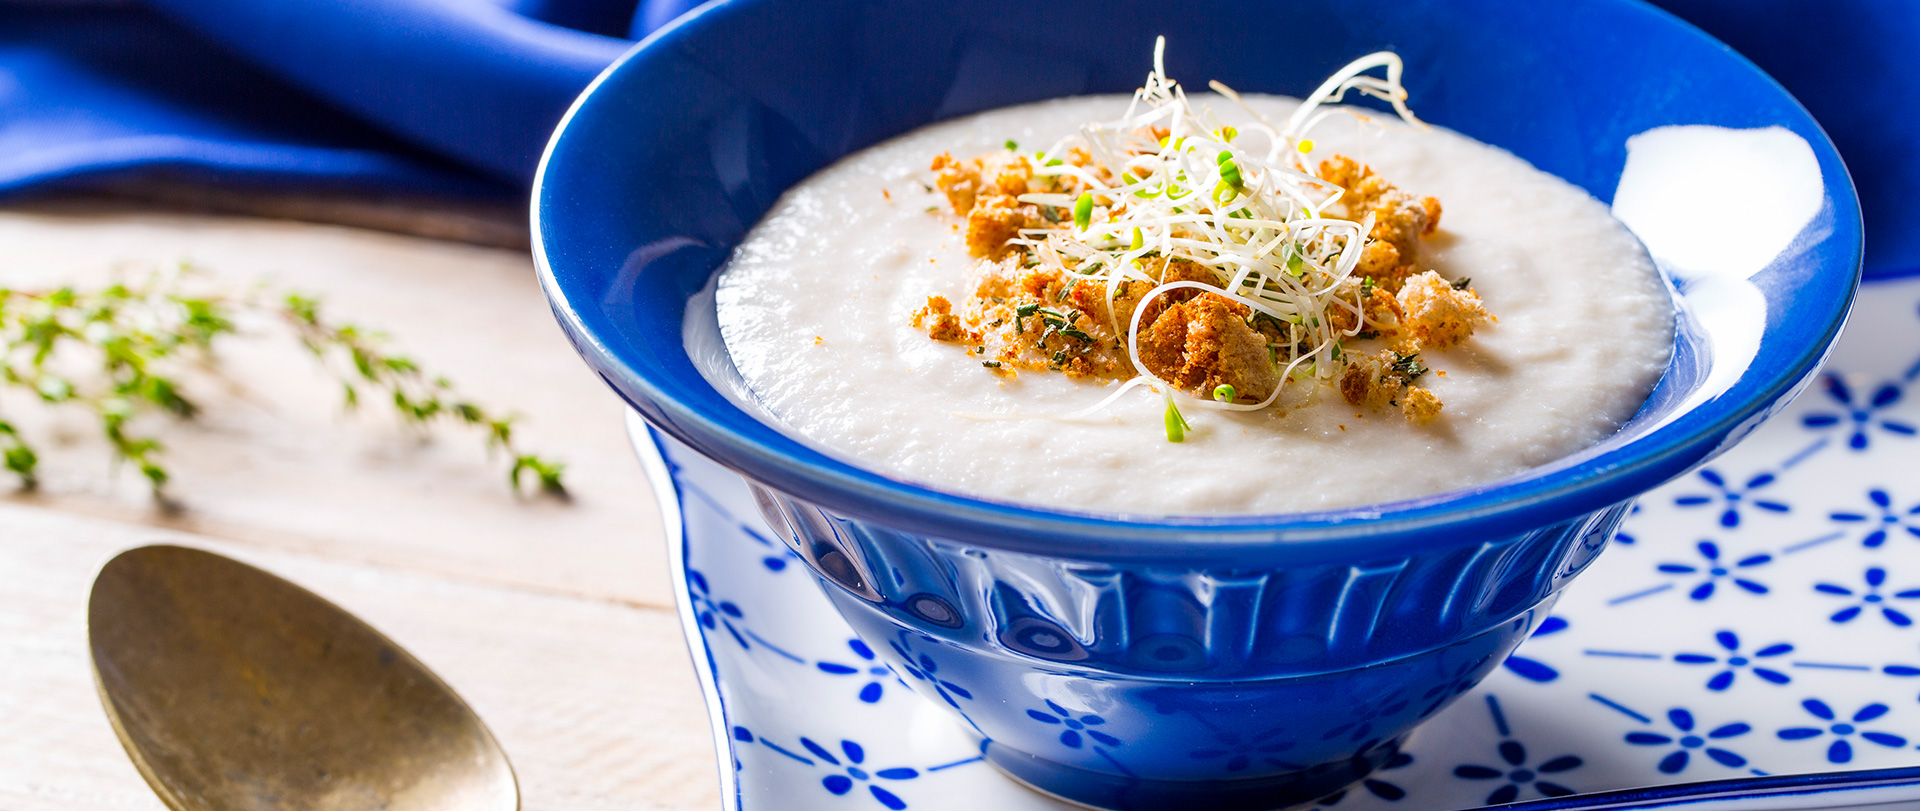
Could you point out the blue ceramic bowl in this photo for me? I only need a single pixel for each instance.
(1236, 661)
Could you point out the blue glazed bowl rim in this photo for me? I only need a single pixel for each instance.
(1536, 498)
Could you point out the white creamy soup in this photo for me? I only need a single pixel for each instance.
(815, 308)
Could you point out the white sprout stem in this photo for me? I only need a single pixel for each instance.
(1352, 77)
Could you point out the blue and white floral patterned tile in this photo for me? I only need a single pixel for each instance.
(1760, 617)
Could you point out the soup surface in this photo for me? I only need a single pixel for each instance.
(815, 309)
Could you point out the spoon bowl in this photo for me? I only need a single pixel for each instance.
(233, 690)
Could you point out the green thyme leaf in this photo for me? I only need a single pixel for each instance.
(118, 352)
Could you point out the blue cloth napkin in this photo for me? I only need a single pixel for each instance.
(458, 96)
(429, 96)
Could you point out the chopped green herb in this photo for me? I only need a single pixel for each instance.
(1011, 146)
(1053, 162)
(1025, 310)
(1224, 392)
(1074, 333)
(1408, 366)
(1462, 282)
(1083, 211)
(1296, 266)
(933, 208)
(991, 364)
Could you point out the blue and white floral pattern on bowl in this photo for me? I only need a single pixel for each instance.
(1758, 620)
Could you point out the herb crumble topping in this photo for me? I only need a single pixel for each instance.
(1167, 249)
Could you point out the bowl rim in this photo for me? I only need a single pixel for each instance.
(1567, 488)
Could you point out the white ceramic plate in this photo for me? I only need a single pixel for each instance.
(1758, 620)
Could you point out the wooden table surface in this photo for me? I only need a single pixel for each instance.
(555, 620)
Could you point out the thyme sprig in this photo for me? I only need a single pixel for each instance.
(119, 352)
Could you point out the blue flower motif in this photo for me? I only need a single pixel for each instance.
(843, 783)
(1533, 670)
(876, 673)
(1374, 785)
(1735, 660)
(1732, 498)
(1869, 598)
(1676, 761)
(1517, 774)
(1076, 726)
(1841, 751)
(923, 668)
(713, 614)
(1717, 570)
(1859, 415)
(1240, 750)
(1887, 521)
(843, 775)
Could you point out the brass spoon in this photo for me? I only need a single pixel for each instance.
(234, 690)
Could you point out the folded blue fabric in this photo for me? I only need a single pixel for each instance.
(430, 96)
(457, 97)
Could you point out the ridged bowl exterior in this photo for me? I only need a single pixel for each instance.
(1138, 686)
